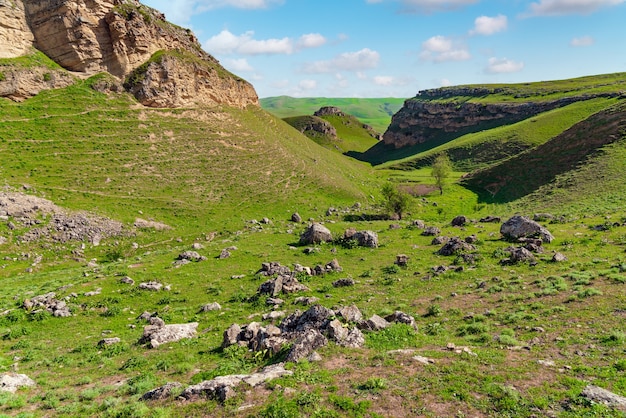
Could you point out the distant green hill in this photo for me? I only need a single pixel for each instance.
(351, 135)
(375, 112)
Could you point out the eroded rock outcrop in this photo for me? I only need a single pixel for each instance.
(120, 37)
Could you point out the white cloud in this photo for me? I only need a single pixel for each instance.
(348, 61)
(444, 82)
(429, 6)
(311, 40)
(582, 41)
(441, 48)
(226, 42)
(180, 11)
(563, 7)
(238, 65)
(307, 84)
(503, 65)
(485, 25)
(383, 80)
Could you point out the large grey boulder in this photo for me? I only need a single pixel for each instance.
(11, 382)
(155, 335)
(315, 234)
(605, 397)
(455, 246)
(521, 227)
(306, 343)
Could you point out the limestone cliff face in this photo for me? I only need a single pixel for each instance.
(426, 118)
(177, 79)
(118, 36)
(15, 36)
(19, 84)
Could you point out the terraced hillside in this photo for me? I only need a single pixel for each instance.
(204, 166)
(481, 124)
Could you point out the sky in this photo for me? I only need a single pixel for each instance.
(395, 48)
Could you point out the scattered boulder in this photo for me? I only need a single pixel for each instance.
(11, 382)
(191, 256)
(222, 387)
(375, 323)
(161, 393)
(306, 300)
(518, 255)
(543, 217)
(367, 239)
(490, 219)
(151, 285)
(455, 246)
(431, 231)
(296, 218)
(346, 282)
(605, 397)
(558, 258)
(521, 227)
(49, 303)
(209, 307)
(307, 342)
(224, 254)
(402, 260)
(460, 220)
(402, 318)
(418, 223)
(316, 234)
(127, 280)
(105, 342)
(350, 313)
(155, 335)
(439, 240)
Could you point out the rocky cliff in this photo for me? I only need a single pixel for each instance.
(117, 36)
(441, 115)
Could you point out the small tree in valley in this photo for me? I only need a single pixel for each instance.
(396, 201)
(441, 169)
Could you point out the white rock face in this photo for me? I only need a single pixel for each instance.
(15, 37)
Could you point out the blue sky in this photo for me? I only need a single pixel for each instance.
(394, 48)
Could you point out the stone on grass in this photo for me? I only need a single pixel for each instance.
(109, 341)
(155, 335)
(375, 323)
(296, 218)
(305, 344)
(346, 282)
(558, 257)
(315, 234)
(350, 313)
(162, 392)
(11, 382)
(521, 227)
(402, 260)
(455, 246)
(152, 285)
(431, 231)
(605, 397)
(214, 306)
(460, 220)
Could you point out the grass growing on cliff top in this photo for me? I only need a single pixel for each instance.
(529, 92)
(35, 58)
(480, 149)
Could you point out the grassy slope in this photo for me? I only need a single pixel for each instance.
(375, 112)
(351, 136)
(205, 165)
(565, 157)
(88, 151)
(477, 150)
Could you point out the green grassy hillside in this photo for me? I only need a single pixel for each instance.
(184, 166)
(476, 150)
(352, 136)
(562, 166)
(374, 112)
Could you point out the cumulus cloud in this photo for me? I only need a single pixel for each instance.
(429, 6)
(238, 65)
(441, 48)
(348, 61)
(383, 80)
(226, 43)
(485, 25)
(311, 40)
(503, 65)
(180, 11)
(582, 41)
(307, 84)
(563, 7)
